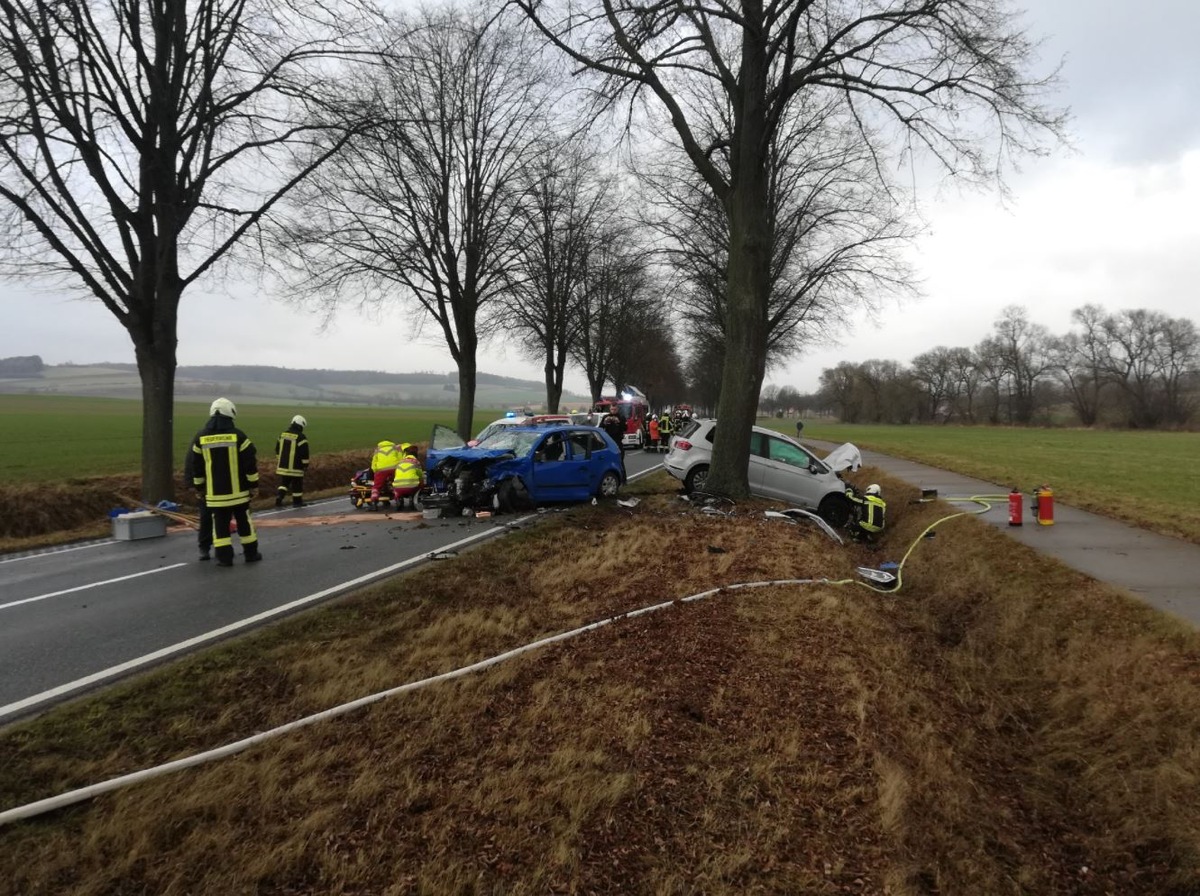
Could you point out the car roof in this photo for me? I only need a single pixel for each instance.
(555, 427)
(763, 429)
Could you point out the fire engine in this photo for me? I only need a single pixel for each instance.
(633, 407)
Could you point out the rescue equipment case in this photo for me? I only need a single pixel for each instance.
(135, 526)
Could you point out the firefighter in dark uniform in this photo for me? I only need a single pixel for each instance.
(224, 469)
(665, 428)
(868, 512)
(291, 452)
(614, 424)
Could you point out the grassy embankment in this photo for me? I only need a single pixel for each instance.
(1149, 479)
(1001, 725)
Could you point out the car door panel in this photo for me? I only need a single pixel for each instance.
(758, 468)
(557, 474)
(786, 475)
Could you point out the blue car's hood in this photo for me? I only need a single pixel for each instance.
(433, 458)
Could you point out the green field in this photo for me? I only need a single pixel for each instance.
(58, 437)
(1147, 478)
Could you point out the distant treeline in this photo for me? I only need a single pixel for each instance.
(25, 365)
(314, 378)
(1136, 368)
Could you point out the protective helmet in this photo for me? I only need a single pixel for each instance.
(224, 407)
(386, 443)
(405, 448)
(873, 489)
(300, 421)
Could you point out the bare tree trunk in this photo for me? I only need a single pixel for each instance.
(156, 367)
(748, 201)
(746, 337)
(554, 385)
(467, 369)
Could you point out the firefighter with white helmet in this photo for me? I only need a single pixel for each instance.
(291, 453)
(222, 465)
(869, 511)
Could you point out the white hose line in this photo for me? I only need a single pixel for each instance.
(86, 793)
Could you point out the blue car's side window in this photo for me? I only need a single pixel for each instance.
(553, 449)
(581, 445)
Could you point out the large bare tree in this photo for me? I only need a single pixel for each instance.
(612, 305)
(837, 224)
(936, 74)
(427, 206)
(565, 201)
(139, 143)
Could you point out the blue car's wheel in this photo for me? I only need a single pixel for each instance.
(610, 484)
(514, 496)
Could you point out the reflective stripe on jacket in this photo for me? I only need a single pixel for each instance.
(386, 456)
(291, 449)
(408, 473)
(223, 463)
(874, 511)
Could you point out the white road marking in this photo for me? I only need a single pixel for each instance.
(52, 552)
(164, 653)
(180, 647)
(148, 572)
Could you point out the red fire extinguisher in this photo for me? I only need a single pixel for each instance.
(1016, 507)
(1044, 502)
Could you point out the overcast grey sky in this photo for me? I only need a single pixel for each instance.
(1113, 223)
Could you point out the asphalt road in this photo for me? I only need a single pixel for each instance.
(77, 618)
(1159, 570)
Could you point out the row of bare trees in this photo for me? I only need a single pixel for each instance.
(432, 166)
(1137, 368)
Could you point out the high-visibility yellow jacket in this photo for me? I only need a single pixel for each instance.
(408, 473)
(291, 449)
(871, 511)
(386, 456)
(222, 463)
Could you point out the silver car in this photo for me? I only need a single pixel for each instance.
(780, 468)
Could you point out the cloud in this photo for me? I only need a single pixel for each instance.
(1121, 236)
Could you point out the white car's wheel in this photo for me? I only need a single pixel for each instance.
(695, 479)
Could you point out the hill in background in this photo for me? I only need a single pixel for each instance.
(276, 385)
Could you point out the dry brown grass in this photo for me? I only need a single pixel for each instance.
(1001, 725)
(48, 513)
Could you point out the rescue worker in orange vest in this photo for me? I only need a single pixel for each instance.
(868, 512)
(291, 452)
(383, 467)
(409, 477)
(653, 434)
(223, 467)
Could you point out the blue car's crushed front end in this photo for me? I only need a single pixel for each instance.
(467, 478)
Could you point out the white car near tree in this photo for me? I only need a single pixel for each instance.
(780, 468)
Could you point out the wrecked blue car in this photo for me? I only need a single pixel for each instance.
(519, 468)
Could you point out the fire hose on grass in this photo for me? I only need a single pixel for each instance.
(892, 585)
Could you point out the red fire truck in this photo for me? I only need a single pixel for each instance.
(632, 406)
